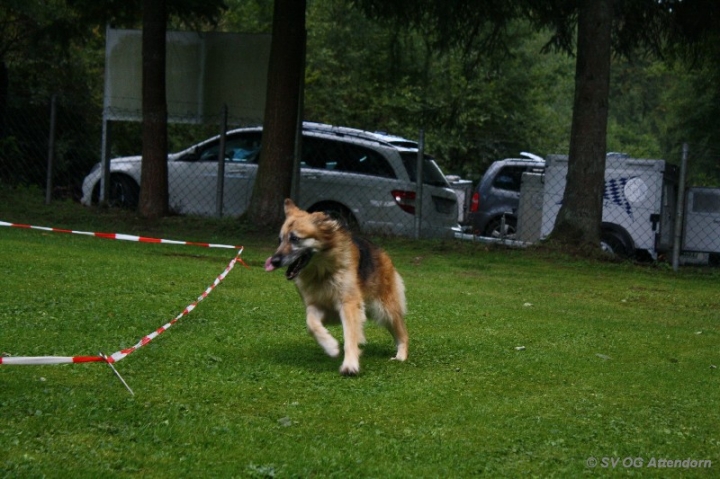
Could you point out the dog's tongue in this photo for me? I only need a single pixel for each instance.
(268, 264)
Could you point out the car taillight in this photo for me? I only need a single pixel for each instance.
(405, 200)
(475, 202)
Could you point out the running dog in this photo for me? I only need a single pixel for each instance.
(341, 278)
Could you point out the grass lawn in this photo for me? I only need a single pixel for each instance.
(521, 364)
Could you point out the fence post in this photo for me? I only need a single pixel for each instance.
(51, 150)
(680, 209)
(419, 185)
(105, 162)
(221, 163)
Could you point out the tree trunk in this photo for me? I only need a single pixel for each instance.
(274, 175)
(154, 188)
(4, 87)
(578, 222)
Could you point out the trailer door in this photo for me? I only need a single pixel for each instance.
(702, 220)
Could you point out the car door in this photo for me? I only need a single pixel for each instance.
(348, 174)
(242, 151)
(193, 178)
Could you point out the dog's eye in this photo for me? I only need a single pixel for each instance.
(294, 238)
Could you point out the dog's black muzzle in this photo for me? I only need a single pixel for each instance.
(295, 267)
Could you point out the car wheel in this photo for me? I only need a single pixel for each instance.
(496, 229)
(124, 192)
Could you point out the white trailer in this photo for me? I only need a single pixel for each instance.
(701, 232)
(639, 203)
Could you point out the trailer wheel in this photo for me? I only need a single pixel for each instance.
(615, 243)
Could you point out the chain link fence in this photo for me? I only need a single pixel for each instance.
(647, 211)
(368, 179)
(49, 144)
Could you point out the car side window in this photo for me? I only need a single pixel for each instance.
(338, 156)
(319, 154)
(238, 148)
(509, 178)
(357, 159)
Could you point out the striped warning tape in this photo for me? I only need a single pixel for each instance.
(40, 360)
(119, 236)
(36, 360)
(122, 354)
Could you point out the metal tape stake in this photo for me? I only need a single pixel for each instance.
(107, 361)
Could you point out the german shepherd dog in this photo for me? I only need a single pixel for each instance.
(341, 278)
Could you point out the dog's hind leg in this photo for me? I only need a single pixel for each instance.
(397, 328)
(320, 332)
(396, 314)
(391, 317)
(352, 315)
(392, 310)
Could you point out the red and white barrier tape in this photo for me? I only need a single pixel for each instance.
(120, 236)
(39, 360)
(121, 354)
(36, 360)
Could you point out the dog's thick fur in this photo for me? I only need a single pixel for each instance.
(341, 278)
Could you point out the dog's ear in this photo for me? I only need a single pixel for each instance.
(325, 222)
(289, 206)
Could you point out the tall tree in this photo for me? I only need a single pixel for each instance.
(153, 201)
(154, 185)
(285, 73)
(581, 212)
(627, 27)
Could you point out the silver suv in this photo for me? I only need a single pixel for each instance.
(367, 178)
(493, 207)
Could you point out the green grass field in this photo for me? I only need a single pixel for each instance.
(522, 363)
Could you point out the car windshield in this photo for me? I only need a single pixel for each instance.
(432, 175)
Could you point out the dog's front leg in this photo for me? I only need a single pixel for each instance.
(320, 332)
(352, 314)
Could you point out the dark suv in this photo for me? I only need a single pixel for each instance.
(493, 208)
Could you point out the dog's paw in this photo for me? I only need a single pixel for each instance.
(349, 369)
(401, 354)
(331, 347)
